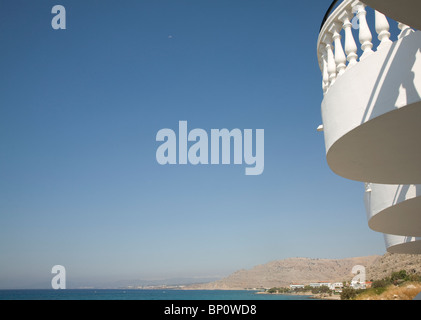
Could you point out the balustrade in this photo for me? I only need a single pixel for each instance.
(334, 58)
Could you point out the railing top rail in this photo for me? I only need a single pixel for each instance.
(334, 2)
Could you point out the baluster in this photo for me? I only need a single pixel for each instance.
(340, 58)
(382, 29)
(365, 33)
(325, 74)
(350, 45)
(405, 30)
(331, 64)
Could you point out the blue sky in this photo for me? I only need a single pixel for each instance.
(79, 111)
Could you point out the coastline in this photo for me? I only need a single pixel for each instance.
(321, 296)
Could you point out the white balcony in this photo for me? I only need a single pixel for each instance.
(394, 209)
(401, 244)
(371, 109)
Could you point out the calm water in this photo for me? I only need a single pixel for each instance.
(69, 294)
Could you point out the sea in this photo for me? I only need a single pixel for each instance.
(121, 294)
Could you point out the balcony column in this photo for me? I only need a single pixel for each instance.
(382, 29)
(340, 58)
(331, 64)
(325, 74)
(365, 33)
(350, 45)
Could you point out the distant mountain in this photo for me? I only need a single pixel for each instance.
(75, 283)
(157, 283)
(282, 273)
(124, 284)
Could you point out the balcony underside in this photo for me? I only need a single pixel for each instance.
(406, 248)
(405, 11)
(372, 116)
(401, 219)
(386, 149)
(405, 245)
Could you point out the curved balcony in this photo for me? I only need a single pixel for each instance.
(394, 209)
(371, 109)
(401, 244)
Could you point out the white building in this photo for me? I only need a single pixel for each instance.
(371, 110)
(320, 284)
(296, 286)
(357, 285)
(337, 286)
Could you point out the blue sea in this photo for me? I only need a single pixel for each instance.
(116, 294)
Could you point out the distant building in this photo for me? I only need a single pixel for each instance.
(296, 286)
(337, 286)
(358, 285)
(320, 284)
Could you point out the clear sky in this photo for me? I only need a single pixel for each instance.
(79, 112)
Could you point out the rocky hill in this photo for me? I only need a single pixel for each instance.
(282, 273)
(389, 263)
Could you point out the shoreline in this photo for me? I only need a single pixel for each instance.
(321, 296)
